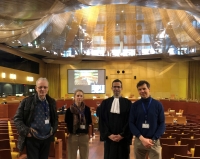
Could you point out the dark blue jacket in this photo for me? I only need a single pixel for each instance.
(155, 119)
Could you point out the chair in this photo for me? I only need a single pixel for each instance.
(61, 117)
(3, 126)
(168, 109)
(181, 120)
(177, 127)
(169, 128)
(180, 112)
(4, 130)
(5, 154)
(196, 129)
(191, 142)
(191, 127)
(95, 121)
(172, 112)
(52, 152)
(190, 132)
(56, 149)
(4, 136)
(183, 129)
(179, 136)
(168, 141)
(192, 124)
(63, 128)
(184, 157)
(196, 136)
(172, 131)
(61, 135)
(62, 124)
(168, 151)
(197, 151)
(165, 135)
(166, 113)
(4, 144)
(91, 131)
(3, 122)
(169, 120)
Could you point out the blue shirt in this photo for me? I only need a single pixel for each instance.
(151, 112)
(40, 115)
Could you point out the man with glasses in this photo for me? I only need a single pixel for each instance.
(36, 120)
(113, 124)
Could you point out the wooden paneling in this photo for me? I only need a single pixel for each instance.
(3, 110)
(88, 102)
(12, 108)
(191, 109)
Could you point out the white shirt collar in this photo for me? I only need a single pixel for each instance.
(115, 106)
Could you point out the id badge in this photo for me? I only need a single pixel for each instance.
(47, 121)
(82, 126)
(146, 126)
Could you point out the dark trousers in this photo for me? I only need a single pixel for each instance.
(37, 149)
(116, 150)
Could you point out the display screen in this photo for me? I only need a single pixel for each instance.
(90, 81)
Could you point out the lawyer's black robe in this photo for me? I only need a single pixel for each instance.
(112, 123)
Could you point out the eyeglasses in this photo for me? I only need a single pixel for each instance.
(45, 87)
(116, 86)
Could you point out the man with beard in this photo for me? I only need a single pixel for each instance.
(114, 128)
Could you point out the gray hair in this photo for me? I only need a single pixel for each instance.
(42, 79)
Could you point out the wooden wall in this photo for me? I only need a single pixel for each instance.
(168, 80)
(191, 108)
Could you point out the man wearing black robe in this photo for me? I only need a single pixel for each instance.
(113, 123)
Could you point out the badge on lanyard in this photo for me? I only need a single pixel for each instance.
(47, 121)
(146, 125)
(82, 126)
(44, 104)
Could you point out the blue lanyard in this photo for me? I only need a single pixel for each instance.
(146, 109)
(44, 104)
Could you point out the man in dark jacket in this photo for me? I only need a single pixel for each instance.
(147, 123)
(36, 120)
(113, 124)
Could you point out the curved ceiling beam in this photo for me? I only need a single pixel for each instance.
(192, 6)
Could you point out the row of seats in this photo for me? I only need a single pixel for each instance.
(8, 142)
(184, 157)
(169, 151)
(182, 140)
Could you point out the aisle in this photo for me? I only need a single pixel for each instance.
(96, 148)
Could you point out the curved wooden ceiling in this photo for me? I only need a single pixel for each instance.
(54, 28)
